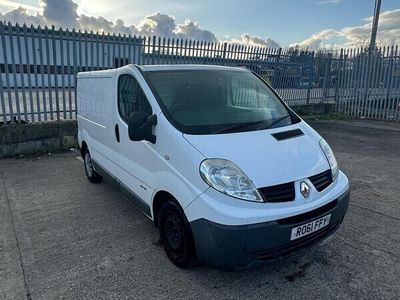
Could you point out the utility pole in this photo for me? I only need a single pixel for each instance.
(377, 11)
(372, 45)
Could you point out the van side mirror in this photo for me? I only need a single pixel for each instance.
(140, 127)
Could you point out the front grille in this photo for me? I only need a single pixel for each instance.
(292, 247)
(278, 193)
(319, 212)
(322, 180)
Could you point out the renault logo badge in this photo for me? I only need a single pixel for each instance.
(304, 189)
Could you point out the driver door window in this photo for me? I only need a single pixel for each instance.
(131, 97)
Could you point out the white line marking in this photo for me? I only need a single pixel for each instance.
(90, 121)
(79, 158)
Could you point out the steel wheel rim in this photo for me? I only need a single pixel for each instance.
(88, 164)
(174, 233)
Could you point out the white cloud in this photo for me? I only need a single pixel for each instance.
(247, 39)
(317, 40)
(329, 2)
(21, 16)
(13, 5)
(357, 36)
(52, 12)
(100, 24)
(191, 30)
(60, 12)
(164, 25)
(64, 13)
(120, 27)
(95, 24)
(158, 24)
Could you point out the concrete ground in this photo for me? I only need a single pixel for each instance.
(62, 237)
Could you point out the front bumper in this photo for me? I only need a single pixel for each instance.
(235, 247)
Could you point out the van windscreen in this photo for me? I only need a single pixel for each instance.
(217, 101)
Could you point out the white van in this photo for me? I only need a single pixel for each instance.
(230, 175)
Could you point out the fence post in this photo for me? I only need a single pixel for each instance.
(310, 77)
(338, 79)
(19, 64)
(390, 97)
(29, 64)
(153, 50)
(14, 75)
(224, 53)
(75, 62)
(48, 71)
(62, 63)
(2, 98)
(328, 66)
(388, 82)
(55, 66)
(275, 66)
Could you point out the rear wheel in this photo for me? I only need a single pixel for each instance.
(176, 236)
(91, 174)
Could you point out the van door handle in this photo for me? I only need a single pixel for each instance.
(117, 132)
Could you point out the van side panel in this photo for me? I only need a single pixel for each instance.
(95, 101)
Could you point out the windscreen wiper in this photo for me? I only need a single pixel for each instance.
(276, 121)
(238, 126)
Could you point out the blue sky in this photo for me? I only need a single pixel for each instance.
(284, 21)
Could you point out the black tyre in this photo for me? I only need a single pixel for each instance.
(176, 236)
(91, 174)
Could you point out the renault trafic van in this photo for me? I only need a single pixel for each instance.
(230, 175)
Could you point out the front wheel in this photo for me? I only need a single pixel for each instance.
(176, 236)
(91, 173)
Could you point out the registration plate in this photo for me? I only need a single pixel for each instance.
(305, 229)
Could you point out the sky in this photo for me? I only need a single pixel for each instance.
(313, 24)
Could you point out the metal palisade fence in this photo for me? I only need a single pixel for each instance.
(38, 67)
(369, 83)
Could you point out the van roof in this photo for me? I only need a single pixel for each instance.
(185, 67)
(144, 68)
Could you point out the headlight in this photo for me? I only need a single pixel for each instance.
(330, 157)
(226, 177)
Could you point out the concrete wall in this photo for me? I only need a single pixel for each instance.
(314, 109)
(37, 138)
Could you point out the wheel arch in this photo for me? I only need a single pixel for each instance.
(161, 197)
